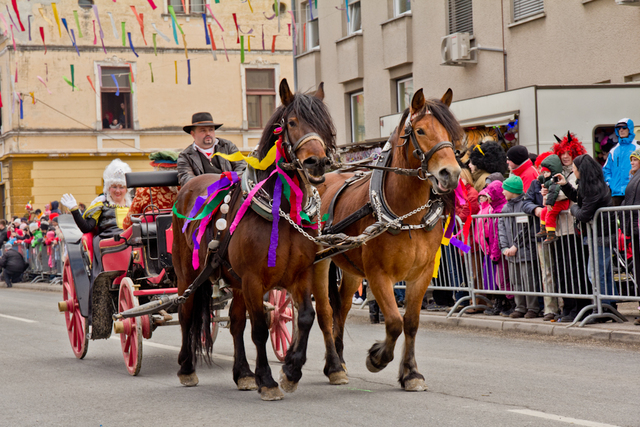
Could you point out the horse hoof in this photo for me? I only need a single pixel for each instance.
(286, 385)
(338, 378)
(190, 380)
(371, 367)
(344, 366)
(247, 383)
(415, 384)
(270, 394)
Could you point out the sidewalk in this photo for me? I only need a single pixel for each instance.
(612, 332)
(625, 332)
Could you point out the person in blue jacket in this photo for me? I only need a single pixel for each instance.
(616, 169)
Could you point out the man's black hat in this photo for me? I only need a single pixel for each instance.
(201, 119)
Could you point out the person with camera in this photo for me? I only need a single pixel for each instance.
(555, 201)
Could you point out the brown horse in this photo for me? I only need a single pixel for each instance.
(389, 258)
(309, 135)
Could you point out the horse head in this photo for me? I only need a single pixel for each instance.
(433, 132)
(309, 135)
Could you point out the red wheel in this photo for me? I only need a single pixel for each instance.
(283, 322)
(131, 336)
(76, 324)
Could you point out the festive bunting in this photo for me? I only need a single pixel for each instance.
(6, 26)
(153, 5)
(213, 43)
(1, 98)
(273, 43)
(41, 10)
(124, 38)
(175, 20)
(250, 7)
(262, 36)
(33, 98)
(175, 33)
(269, 17)
(311, 10)
(214, 17)
(184, 41)
(131, 73)
(151, 69)
(95, 11)
(130, 83)
(69, 83)
(117, 85)
(346, 7)
(206, 34)
(73, 39)
(75, 15)
(155, 51)
(188, 71)
(13, 39)
(275, 212)
(42, 36)
(131, 45)
(95, 36)
(73, 78)
(176, 65)
(15, 8)
(140, 18)
(11, 18)
(29, 22)
(249, 43)
(235, 21)
(45, 85)
(160, 33)
(289, 29)
(56, 17)
(92, 86)
(21, 110)
(225, 47)
(242, 49)
(113, 25)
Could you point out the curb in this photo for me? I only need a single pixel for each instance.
(597, 333)
(40, 286)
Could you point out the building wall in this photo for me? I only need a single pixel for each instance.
(68, 122)
(571, 43)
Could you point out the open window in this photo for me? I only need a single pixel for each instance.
(355, 21)
(311, 37)
(186, 7)
(401, 6)
(404, 89)
(115, 98)
(357, 116)
(261, 96)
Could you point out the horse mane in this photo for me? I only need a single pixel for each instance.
(308, 109)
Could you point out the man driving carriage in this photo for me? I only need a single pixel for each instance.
(198, 158)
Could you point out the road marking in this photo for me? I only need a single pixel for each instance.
(574, 421)
(174, 348)
(18, 318)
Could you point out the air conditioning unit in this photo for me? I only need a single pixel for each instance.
(455, 49)
(628, 2)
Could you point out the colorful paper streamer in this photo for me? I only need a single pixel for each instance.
(95, 11)
(155, 51)
(75, 16)
(242, 49)
(175, 20)
(15, 8)
(113, 25)
(131, 45)
(45, 85)
(140, 19)
(225, 47)
(41, 10)
(57, 18)
(153, 24)
(214, 17)
(176, 65)
(124, 37)
(117, 85)
(213, 43)
(92, 86)
(188, 71)
(151, 69)
(206, 33)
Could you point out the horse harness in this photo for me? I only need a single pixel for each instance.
(377, 205)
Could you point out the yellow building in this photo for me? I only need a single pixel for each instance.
(57, 138)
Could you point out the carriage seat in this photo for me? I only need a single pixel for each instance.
(87, 244)
(152, 179)
(116, 254)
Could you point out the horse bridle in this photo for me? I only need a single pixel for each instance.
(409, 133)
(292, 162)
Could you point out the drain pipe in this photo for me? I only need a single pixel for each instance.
(293, 51)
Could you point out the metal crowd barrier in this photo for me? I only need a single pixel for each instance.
(44, 265)
(562, 269)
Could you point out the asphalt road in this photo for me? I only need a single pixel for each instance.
(474, 378)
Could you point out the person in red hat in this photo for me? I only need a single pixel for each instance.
(198, 158)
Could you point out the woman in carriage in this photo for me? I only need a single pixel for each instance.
(106, 214)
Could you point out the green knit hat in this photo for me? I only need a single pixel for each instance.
(635, 154)
(513, 184)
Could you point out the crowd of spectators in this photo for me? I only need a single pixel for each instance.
(545, 251)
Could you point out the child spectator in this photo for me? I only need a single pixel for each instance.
(516, 244)
(555, 201)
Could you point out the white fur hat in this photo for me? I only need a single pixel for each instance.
(114, 174)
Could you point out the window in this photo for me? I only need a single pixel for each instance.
(85, 4)
(282, 8)
(192, 6)
(115, 99)
(310, 38)
(525, 8)
(357, 117)
(405, 93)
(355, 23)
(460, 16)
(401, 6)
(261, 96)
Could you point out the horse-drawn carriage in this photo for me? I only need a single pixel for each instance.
(137, 269)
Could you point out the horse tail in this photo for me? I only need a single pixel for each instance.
(200, 330)
(335, 278)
